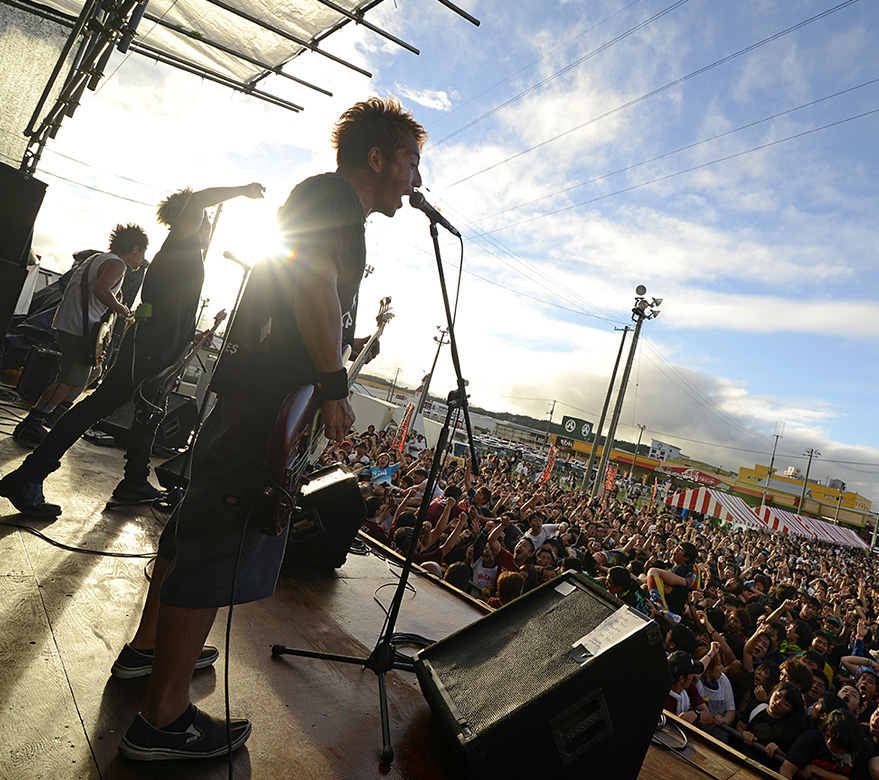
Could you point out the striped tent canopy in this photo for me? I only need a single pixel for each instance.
(783, 521)
(723, 506)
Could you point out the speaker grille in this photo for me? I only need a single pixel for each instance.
(510, 666)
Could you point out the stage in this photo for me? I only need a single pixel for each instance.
(65, 615)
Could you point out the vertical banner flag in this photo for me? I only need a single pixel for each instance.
(610, 478)
(403, 428)
(550, 462)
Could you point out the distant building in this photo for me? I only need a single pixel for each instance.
(659, 450)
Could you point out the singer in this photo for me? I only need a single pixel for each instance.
(295, 316)
(172, 286)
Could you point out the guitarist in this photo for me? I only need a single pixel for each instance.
(171, 287)
(97, 280)
(296, 315)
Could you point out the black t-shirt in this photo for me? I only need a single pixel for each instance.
(782, 731)
(172, 286)
(811, 748)
(676, 596)
(265, 348)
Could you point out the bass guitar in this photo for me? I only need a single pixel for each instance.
(297, 440)
(151, 395)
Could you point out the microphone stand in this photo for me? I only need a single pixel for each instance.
(384, 657)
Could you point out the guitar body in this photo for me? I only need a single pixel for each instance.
(297, 440)
(102, 336)
(296, 434)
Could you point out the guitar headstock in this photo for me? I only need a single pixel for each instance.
(385, 315)
(220, 316)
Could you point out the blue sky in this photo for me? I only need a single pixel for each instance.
(582, 149)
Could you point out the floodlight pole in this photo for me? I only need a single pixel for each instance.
(811, 453)
(839, 503)
(642, 310)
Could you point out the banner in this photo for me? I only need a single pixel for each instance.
(610, 478)
(550, 462)
(403, 429)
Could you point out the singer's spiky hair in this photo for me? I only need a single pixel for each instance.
(172, 207)
(126, 238)
(374, 122)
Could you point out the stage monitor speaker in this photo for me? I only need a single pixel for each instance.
(330, 511)
(21, 196)
(171, 473)
(564, 682)
(38, 372)
(173, 432)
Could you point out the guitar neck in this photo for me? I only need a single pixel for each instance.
(360, 361)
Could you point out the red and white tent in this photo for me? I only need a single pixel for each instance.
(723, 506)
(781, 520)
(786, 522)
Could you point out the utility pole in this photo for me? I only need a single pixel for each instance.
(643, 310)
(812, 454)
(443, 332)
(546, 434)
(613, 378)
(394, 385)
(779, 432)
(635, 459)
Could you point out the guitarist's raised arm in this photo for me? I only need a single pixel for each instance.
(319, 318)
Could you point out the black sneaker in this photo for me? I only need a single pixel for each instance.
(136, 491)
(27, 497)
(139, 663)
(29, 432)
(205, 737)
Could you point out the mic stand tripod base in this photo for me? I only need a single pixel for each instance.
(383, 657)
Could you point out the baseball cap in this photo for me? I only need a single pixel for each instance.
(680, 662)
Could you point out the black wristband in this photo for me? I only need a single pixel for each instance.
(333, 384)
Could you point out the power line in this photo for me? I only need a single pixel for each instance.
(689, 170)
(548, 79)
(95, 189)
(661, 89)
(531, 64)
(684, 148)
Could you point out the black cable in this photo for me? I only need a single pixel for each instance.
(71, 548)
(227, 643)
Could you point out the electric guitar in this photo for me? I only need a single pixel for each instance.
(298, 440)
(151, 395)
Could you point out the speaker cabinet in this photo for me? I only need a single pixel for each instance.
(21, 196)
(38, 372)
(330, 511)
(173, 432)
(564, 682)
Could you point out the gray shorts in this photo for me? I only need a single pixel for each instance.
(215, 519)
(75, 368)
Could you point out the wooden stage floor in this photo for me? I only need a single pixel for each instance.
(65, 615)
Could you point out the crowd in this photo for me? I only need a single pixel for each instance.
(772, 641)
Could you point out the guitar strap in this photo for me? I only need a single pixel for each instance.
(84, 288)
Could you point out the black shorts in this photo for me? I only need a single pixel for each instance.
(216, 520)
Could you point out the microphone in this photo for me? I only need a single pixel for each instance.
(230, 256)
(417, 201)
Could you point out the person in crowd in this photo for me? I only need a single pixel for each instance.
(838, 748)
(775, 725)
